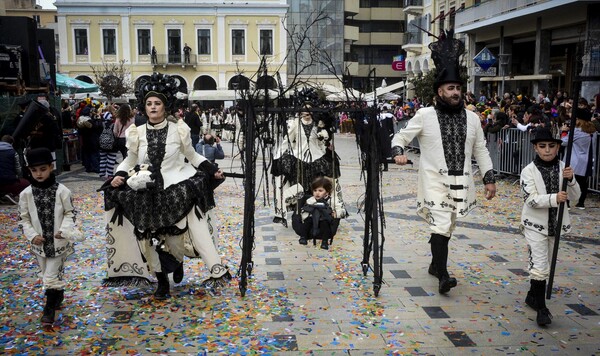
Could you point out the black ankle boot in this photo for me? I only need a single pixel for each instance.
(163, 289)
(303, 241)
(178, 274)
(544, 317)
(49, 313)
(324, 244)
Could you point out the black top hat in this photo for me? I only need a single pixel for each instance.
(543, 134)
(446, 52)
(583, 114)
(38, 156)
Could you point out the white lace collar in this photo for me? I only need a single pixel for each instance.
(158, 126)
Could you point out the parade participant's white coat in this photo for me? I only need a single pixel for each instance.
(538, 202)
(173, 169)
(434, 182)
(123, 261)
(64, 221)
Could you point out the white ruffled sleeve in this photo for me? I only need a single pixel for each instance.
(186, 144)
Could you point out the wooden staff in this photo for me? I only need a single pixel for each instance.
(561, 207)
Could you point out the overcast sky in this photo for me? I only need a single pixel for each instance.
(46, 4)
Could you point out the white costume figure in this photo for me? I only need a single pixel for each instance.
(166, 214)
(216, 125)
(434, 187)
(47, 218)
(205, 126)
(541, 185)
(302, 155)
(536, 210)
(449, 136)
(229, 127)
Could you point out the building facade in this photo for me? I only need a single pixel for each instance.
(381, 35)
(207, 46)
(540, 45)
(316, 27)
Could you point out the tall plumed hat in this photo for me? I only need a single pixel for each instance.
(159, 85)
(306, 97)
(446, 52)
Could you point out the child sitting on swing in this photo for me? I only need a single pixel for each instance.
(321, 214)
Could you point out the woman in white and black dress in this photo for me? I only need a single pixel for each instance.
(151, 230)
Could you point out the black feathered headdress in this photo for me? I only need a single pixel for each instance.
(446, 52)
(163, 84)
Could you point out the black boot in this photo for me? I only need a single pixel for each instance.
(162, 291)
(178, 274)
(432, 267)
(324, 244)
(48, 316)
(544, 317)
(60, 296)
(530, 299)
(439, 248)
(303, 241)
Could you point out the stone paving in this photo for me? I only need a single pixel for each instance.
(305, 300)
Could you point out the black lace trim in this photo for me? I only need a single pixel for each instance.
(397, 151)
(157, 141)
(453, 129)
(45, 202)
(550, 175)
(489, 177)
(308, 128)
(158, 210)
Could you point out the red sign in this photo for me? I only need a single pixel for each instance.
(399, 65)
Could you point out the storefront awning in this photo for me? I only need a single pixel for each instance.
(228, 95)
(384, 90)
(518, 77)
(69, 85)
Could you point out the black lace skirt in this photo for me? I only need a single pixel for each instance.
(158, 210)
(296, 171)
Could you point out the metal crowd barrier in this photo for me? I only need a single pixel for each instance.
(511, 150)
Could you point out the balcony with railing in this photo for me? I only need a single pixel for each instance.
(491, 9)
(174, 59)
(413, 7)
(413, 42)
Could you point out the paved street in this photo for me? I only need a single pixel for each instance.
(305, 300)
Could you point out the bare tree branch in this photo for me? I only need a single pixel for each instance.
(113, 79)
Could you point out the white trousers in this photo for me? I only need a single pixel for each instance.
(540, 249)
(52, 269)
(442, 222)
